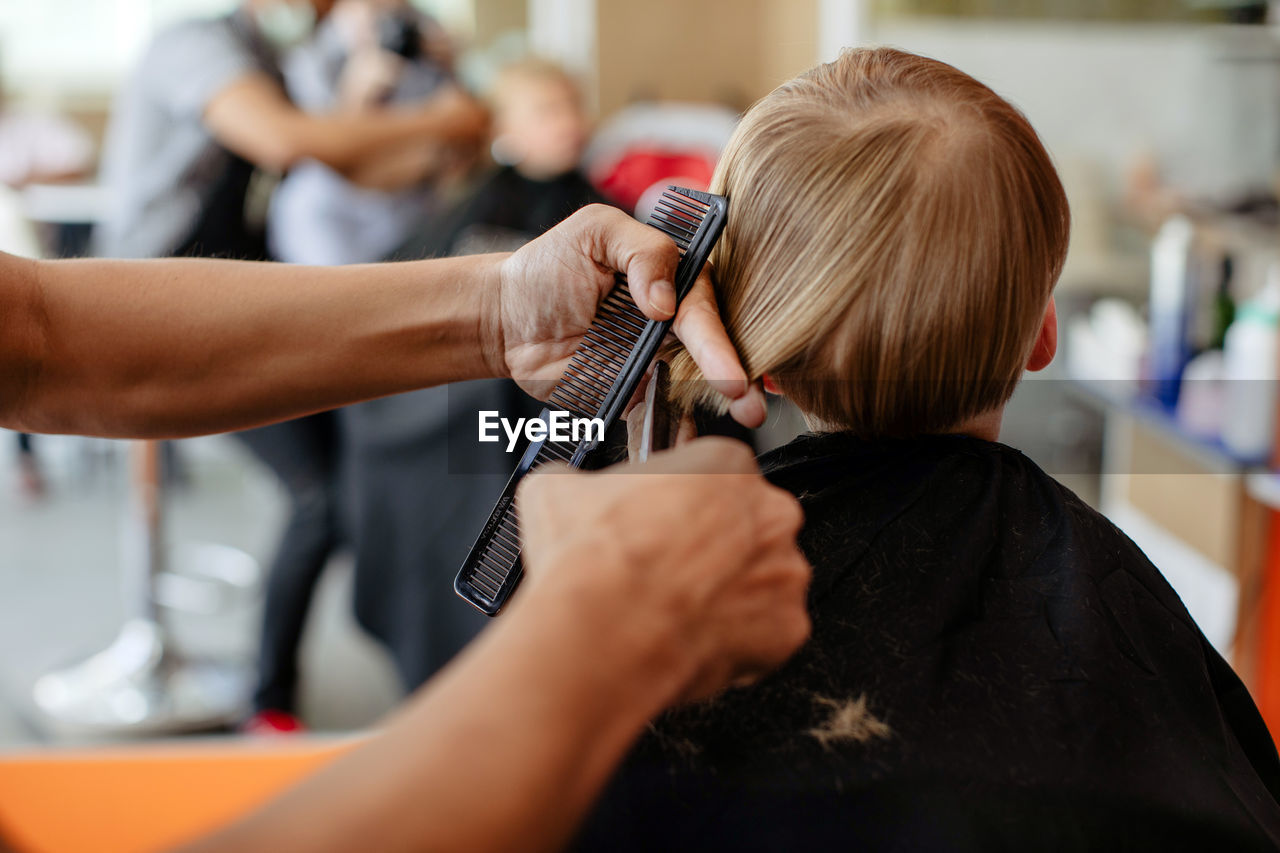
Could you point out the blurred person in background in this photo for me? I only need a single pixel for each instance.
(204, 118)
(35, 147)
(207, 108)
(540, 131)
(420, 486)
(366, 56)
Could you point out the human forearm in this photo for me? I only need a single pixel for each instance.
(181, 347)
(401, 166)
(255, 119)
(505, 750)
(354, 143)
(642, 591)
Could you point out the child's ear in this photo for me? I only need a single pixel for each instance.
(767, 382)
(1047, 341)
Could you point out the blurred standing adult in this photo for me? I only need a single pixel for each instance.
(207, 107)
(202, 121)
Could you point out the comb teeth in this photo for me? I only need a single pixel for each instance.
(679, 213)
(497, 561)
(601, 377)
(583, 391)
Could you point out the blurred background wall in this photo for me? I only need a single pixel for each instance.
(1106, 84)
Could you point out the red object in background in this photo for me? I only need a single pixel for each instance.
(271, 722)
(629, 176)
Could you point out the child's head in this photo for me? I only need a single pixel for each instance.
(539, 121)
(895, 231)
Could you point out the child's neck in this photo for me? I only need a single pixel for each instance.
(533, 173)
(985, 426)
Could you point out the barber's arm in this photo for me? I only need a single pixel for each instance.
(253, 117)
(180, 347)
(645, 588)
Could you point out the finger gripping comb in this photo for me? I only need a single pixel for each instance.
(601, 378)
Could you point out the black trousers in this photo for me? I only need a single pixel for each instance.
(303, 454)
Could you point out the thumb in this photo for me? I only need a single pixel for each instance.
(645, 255)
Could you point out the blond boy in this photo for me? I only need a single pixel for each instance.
(993, 665)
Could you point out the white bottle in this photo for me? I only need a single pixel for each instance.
(1251, 353)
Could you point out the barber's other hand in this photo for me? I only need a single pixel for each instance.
(686, 566)
(550, 289)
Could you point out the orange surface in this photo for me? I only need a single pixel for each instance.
(1267, 691)
(126, 800)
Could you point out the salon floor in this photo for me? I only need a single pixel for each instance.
(63, 579)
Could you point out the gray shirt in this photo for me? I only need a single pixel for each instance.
(316, 215)
(160, 163)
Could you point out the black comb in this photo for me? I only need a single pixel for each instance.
(601, 378)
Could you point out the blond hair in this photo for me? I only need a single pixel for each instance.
(895, 231)
(531, 69)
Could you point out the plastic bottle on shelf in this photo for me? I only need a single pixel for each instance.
(1251, 353)
(1170, 301)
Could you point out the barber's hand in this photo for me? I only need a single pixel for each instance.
(689, 561)
(550, 289)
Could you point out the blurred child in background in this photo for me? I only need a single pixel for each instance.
(540, 132)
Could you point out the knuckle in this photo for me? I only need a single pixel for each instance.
(731, 456)
(540, 486)
(797, 567)
(786, 510)
(591, 211)
(530, 490)
(799, 630)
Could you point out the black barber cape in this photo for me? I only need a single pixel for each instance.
(503, 212)
(993, 666)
